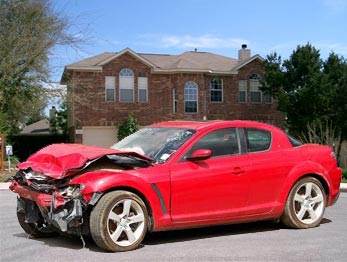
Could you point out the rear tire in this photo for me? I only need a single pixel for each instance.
(305, 205)
(119, 221)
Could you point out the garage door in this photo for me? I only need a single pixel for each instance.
(99, 136)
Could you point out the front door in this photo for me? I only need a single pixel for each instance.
(213, 188)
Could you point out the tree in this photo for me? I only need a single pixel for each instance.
(128, 127)
(310, 91)
(29, 29)
(58, 122)
(335, 73)
(296, 84)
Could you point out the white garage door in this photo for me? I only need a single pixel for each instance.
(99, 136)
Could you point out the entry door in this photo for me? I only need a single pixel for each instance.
(213, 188)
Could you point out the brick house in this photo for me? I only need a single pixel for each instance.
(103, 89)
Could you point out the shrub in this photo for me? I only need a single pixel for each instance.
(127, 128)
(344, 173)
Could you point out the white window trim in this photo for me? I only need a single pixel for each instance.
(197, 97)
(221, 90)
(110, 84)
(245, 90)
(140, 80)
(255, 89)
(175, 100)
(129, 75)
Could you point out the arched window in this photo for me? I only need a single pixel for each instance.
(126, 85)
(254, 83)
(190, 97)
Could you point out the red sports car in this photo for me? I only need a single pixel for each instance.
(175, 175)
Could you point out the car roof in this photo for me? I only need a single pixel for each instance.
(197, 125)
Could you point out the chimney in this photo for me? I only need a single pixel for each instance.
(244, 53)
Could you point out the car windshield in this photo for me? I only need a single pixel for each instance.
(158, 143)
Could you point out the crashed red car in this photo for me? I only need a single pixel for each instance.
(175, 175)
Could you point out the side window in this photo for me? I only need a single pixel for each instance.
(221, 142)
(257, 140)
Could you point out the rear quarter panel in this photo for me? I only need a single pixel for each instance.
(314, 160)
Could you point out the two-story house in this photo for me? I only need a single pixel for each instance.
(104, 89)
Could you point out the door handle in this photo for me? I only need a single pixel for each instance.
(238, 171)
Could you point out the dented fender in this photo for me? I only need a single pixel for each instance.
(155, 194)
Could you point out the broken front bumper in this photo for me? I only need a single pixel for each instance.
(61, 212)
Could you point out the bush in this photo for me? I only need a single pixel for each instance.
(344, 173)
(128, 127)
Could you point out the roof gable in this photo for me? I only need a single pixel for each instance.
(124, 51)
(248, 61)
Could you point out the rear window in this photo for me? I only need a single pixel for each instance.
(257, 140)
(294, 141)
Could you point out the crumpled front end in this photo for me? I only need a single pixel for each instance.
(47, 196)
(53, 203)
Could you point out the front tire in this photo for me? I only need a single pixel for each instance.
(119, 221)
(305, 205)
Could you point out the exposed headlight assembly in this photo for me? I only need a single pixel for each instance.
(35, 175)
(72, 191)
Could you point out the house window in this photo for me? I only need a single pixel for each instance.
(254, 84)
(126, 85)
(216, 90)
(268, 98)
(110, 85)
(143, 89)
(191, 97)
(243, 91)
(175, 100)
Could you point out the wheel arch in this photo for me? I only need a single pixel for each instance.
(305, 169)
(157, 203)
(141, 195)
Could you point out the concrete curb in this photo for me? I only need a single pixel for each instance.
(4, 186)
(343, 187)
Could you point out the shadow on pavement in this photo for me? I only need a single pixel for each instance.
(165, 237)
(209, 232)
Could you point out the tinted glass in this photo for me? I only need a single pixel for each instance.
(257, 140)
(221, 142)
(294, 141)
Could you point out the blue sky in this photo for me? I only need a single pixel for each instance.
(218, 26)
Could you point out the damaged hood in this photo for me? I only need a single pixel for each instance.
(60, 160)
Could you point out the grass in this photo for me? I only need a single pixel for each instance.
(5, 175)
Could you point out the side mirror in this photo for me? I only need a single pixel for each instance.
(200, 154)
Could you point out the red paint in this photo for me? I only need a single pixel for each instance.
(215, 190)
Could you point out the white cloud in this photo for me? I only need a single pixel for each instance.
(189, 41)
